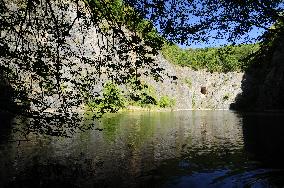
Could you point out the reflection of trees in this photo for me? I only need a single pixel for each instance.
(163, 144)
(110, 127)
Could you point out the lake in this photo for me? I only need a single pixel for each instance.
(151, 149)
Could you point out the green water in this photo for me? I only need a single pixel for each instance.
(157, 149)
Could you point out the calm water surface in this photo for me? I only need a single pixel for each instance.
(157, 149)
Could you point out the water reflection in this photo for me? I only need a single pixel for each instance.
(264, 135)
(166, 149)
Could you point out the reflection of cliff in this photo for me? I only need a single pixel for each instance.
(263, 138)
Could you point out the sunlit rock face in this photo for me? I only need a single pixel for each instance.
(221, 88)
(43, 63)
(58, 49)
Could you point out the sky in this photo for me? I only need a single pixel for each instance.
(254, 33)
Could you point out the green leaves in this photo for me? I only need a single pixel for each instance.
(166, 101)
(222, 59)
(111, 101)
(141, 94)
(191, 21)
(144, 95)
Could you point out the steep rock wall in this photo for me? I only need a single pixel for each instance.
(263, 86)
(219, 89)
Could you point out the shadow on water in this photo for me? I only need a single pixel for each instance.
(264, 136)
(259, 164)
(263, 91)
(263, 140)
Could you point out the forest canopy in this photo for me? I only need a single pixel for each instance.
(213, 59)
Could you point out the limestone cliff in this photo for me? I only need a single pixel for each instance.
(198, 89)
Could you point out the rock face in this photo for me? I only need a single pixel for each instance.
(59, 53)
(86, 48)
(221, 88)
(272, 90)
(263, 87)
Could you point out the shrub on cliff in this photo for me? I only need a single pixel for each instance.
(166, 102)
(111, 100)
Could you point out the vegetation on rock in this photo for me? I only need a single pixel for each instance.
(138, 94)
(111, 100)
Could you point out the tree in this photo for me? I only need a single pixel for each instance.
(195, 20)
(38, 43)
(43, 53)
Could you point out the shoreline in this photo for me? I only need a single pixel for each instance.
(154, 109)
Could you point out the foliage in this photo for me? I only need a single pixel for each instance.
(263, 70)
(117, 12)
(166, 101)
(144, 95)
(141, 94)
(193, 102)
(147, 96)
(199, 21)
(226, 97)
(222, 59)
(13, 98)
(111, 101)
(35, 43)
(263, 57)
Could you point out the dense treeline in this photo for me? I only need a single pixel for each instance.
(218, 59)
